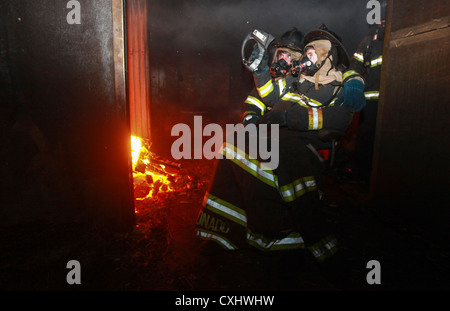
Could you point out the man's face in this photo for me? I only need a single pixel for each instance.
(286, 56)
(311, 54)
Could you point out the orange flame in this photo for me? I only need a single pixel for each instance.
(152, 178)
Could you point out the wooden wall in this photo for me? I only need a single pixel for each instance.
(65, 136)
(411, 159)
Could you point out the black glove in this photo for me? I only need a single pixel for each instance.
(250, 119)
(274, 117)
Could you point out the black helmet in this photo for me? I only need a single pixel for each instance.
(324, 33)
(292, 39)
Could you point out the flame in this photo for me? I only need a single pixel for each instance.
(148, 176)
(136, 145)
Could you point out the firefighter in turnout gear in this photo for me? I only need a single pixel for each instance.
(285, 50)
(367, 61)
(275, 209)
(270, 88)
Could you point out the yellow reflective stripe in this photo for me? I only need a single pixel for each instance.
(254, 101)
(291, 97)
(297, 99)
(332, 102)
(265, 89)
(292, 241)
(359, 57)
(297, 188)
(313, 102)
(208, 235)
(349, 73)
(324, 248)
(376, 62)
(226, 209)
(281, 85)
(372, 95)
(315, 118)
(252, 166)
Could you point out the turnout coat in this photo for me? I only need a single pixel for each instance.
(249, 204)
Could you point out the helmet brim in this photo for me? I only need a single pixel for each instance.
(319, 34)
(288, 46)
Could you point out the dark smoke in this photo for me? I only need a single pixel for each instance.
(218, 25)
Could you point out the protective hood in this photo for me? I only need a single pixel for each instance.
(343, 60)
(326, 73)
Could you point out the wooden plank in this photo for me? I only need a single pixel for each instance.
(409, 13)
(410, 167)
(435, 24)
(410, 38)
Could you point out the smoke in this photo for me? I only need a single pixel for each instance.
(220, 26)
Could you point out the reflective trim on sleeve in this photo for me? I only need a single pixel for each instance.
(298, 188)
(292, 241)
(313, 102)
(324, 248)
(315, 118)
(359, 57)
(349, 73)
(377, 61)
(207, 235)
(252, 166)
(265, 89)
(371, 95)
(254, 101)
(281, 85)
(291, 97)
(226, 210)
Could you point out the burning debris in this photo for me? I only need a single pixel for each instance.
(154, 178)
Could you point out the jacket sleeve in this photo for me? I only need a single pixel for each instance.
(302, 118)
(253, 106)
(357, 60)
(269, 89)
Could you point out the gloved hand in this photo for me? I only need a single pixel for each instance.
(274, 117)
(352, 95)
(264, 65)
(250, 119)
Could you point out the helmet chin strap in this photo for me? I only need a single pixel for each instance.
(317, 74)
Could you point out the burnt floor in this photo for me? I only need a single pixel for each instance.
(162, 253)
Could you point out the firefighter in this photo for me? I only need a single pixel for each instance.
(271, 87)
(280, 209)
(367, 61)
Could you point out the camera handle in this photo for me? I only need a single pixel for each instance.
(263, 39)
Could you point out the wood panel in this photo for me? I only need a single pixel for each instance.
(407, 13)
(411, 158)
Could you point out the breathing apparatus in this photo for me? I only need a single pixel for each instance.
(304, 66)
(262, 40)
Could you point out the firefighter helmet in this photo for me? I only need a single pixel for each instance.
(292, 39)
(337, 50)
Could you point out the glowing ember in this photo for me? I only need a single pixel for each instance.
(152, 177)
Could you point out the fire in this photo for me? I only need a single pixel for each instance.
(135, 149)
(151, 175)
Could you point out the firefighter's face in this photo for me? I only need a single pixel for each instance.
(311, 54)
(286, 56)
